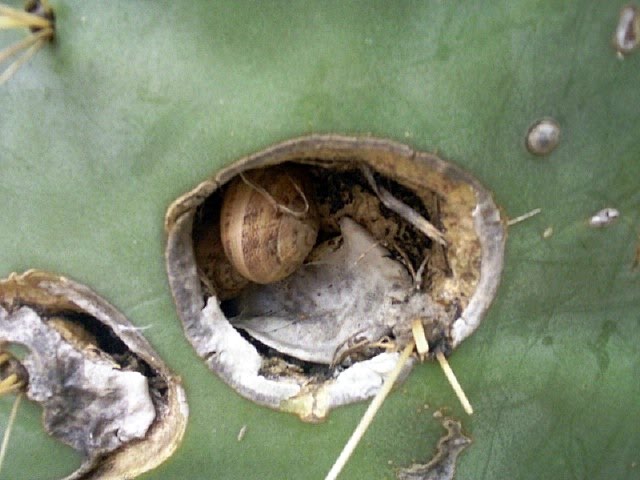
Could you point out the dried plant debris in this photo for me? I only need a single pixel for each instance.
(627, 35)
(443, 465)
(39, 19)
(103, 389)
(524, 217)
(604, 218)
(401, 235)
(329, 299)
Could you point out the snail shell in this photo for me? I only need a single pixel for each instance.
(268, 223)
(219, 277)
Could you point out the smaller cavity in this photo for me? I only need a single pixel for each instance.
(626, 37)
(543, 136)
(604, 217)
(443, 464)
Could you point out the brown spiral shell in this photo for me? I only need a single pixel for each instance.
(268, 222)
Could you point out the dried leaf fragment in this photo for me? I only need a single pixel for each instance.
(103, 390)
(358, 265)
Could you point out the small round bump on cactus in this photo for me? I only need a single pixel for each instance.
(543, 137)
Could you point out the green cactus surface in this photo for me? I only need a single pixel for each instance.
(135, 102)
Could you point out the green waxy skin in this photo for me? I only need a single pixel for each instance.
(136, 102)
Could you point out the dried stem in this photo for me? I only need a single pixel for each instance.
(20, 18)
(10, 384)
(7, 432)
(404, 210)
(446, 368)
(523, 217)
(366, 252)
(15, 66)
(422, 345)
(277, 206)
(405, 261)
(368, 416)
(417, 282)
(24, 43)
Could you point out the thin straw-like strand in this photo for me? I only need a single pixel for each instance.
(368, 416)
(7, 431)
(446, 368)
(24, 44)
(9, 384)
(422, 345)
(523, 217)
(13, 68)
(27, 19)
(8, 22)
(404, 210)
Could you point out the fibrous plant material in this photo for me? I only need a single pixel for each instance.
(371, 412)
(402, 235)
(103, 389)
(421, 346)
(523, 217)
(38, 17)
